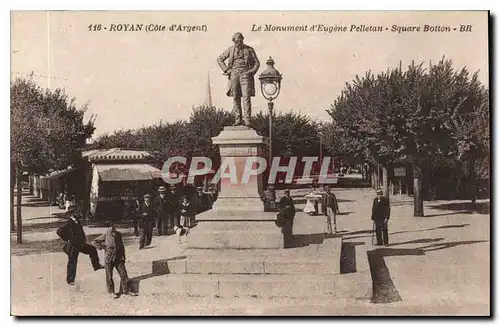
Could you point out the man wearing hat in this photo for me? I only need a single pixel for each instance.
(112, 242)
(161, 207)
(174, 207)
(381, 212)
(75, 243)
(287, 212)
(241, 67)
(147, 215)
(202, 201)
(330, 209)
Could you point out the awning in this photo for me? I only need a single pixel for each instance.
(127, 172)
(58, 174)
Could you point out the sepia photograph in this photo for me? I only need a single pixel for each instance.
(250, 163)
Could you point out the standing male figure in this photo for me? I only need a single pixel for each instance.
(130, 213)
(241, 67)
(201, 200)
(147, 213)
(174, 207)
(381, 212)
(330, 209)
(287, 212)
(112, 241)
(75, 243)
(161, 206)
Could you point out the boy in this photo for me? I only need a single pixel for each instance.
(112, 242)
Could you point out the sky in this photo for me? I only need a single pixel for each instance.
(134, 79)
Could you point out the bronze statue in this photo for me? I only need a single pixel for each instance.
(241, 68)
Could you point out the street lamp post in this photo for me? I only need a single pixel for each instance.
(270, 106)
(270, 86)
(320, 136)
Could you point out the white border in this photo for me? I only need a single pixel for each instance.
(200, 5)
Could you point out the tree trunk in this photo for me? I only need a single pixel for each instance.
(36, 186)
(374, 180)
(472, 182)
(418, 203)
(31, 184)
(12, 188)
(385, 181)
(19, 221)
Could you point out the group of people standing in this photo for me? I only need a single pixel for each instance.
(172, 210)
(75, 242)
(168, 212)
(329, 206)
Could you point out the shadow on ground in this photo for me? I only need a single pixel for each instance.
(384, 290)
(303, 240)
(43, 227)
(359, 234)
(417, 241)
(53, 216)
(479, 208)
(446, 214)
(54, 245)
(348, 257)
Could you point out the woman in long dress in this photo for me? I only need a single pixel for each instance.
(312, 202)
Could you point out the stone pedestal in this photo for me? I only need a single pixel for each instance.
(237, 219)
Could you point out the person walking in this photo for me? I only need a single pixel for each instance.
(161, 207)
(330, 210)
(381, 212)
(287, 213)
(112, 242)
(75, 243)
(147, 213)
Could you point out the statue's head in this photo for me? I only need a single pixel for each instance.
(238, 38)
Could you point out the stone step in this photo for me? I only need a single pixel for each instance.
(353, 286)
(266, 286)
(314, 259)
(250, 265)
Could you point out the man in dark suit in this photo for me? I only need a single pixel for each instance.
(174, 207)
(75, 243)
(381, 212)
(201, 200)
(130, 213)
(161, 206)
(330, 209)
(287, 212)
(147, 214)
(112, 242)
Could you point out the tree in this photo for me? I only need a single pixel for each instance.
(204, 123)
(179, 138)
(118, 139)
(47, 133)
(416, 116)
(294, 134)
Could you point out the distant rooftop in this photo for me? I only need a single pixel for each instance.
(115, 154)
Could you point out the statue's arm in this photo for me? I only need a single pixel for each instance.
(220, 60)
(256, 61)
